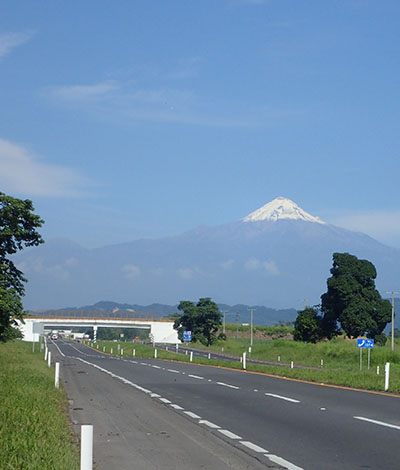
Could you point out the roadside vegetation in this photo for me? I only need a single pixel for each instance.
(34, 430)
(341, 359)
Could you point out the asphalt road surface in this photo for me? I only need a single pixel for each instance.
(154, 414)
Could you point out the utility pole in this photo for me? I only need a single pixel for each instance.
(224, 324)
(393, 293)
(251, 325)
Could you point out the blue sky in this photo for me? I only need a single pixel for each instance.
(131, 119)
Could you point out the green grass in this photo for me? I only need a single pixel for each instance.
(341, 360)
(34, 431)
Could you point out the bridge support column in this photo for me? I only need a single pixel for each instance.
(94, 333)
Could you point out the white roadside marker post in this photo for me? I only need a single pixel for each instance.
(57, 375)
(244, 360)
(191, 356)
(155, 354)
(176, 347)
(104, 349)
(111, 351)
(122, 352)
(322, 363)
(387, 370)
(49, 359)
(45, 353)
(377, 370)
(134, 352)
(291, 364)
(86, 447)
(209, 355)
(279, 358)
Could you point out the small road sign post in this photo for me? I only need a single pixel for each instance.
(187, 336)
(365, 343)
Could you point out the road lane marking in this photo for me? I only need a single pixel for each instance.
(282, 398)
(229, 434)
(195, 377)
(254, 447)
(380, 423)
(177, 407)
(59, 350)
(192, 415)
(164, 400)
(283, 463)
(156, 367)
(174, 371)
(227, 385)
(155, 395)
(143, 364)
(209, 424)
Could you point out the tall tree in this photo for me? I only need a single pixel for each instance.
(353, 300)
(203, 320)
(18, 226)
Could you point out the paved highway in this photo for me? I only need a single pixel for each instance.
(214, 415)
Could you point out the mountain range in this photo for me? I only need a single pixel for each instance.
(279, 255)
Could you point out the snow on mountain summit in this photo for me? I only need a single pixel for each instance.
(281, 208)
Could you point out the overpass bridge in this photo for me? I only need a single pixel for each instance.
(160, 330)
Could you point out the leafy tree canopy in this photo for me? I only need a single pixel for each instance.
(353, 300)
(18, 226)
(202, 319)
(307, 326)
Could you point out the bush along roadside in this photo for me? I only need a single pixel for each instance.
(34, 430)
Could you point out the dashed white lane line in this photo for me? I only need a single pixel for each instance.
(177, 407)
(156, 367)
(380, 423)
(164, 400)
(195, 377)
(253, 447)
(143, 364)
(192, 415)
(282, 398)
(227, 385)
(282, 462)
(229, 434)
(209, 424)
(173, 370)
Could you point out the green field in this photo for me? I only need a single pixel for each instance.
(34, 430)
(341, 360)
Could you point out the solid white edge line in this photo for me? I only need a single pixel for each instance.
(59, 350)
(254, 447)
(292, 400)
(229, 434)
(380, 423)
(283, 462)
(192, 415)
(209, 424)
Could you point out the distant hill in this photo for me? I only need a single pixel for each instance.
(233, 314)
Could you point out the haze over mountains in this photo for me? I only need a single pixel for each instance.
(276, 256)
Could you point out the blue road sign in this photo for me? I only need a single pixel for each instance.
(365, 343)
(187, 336)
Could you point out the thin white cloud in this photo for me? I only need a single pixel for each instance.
(9, 41)
(124, 103)
(382, 225)
(24, 173)
(131, 271)
(82, 92)
(186, 273)
(228, 264)
(271, 268)
(252, 264)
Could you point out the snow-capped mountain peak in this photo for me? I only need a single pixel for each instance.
(281, 208)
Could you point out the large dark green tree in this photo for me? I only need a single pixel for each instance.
(18, 226)
(202, 319)
(352, 299)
